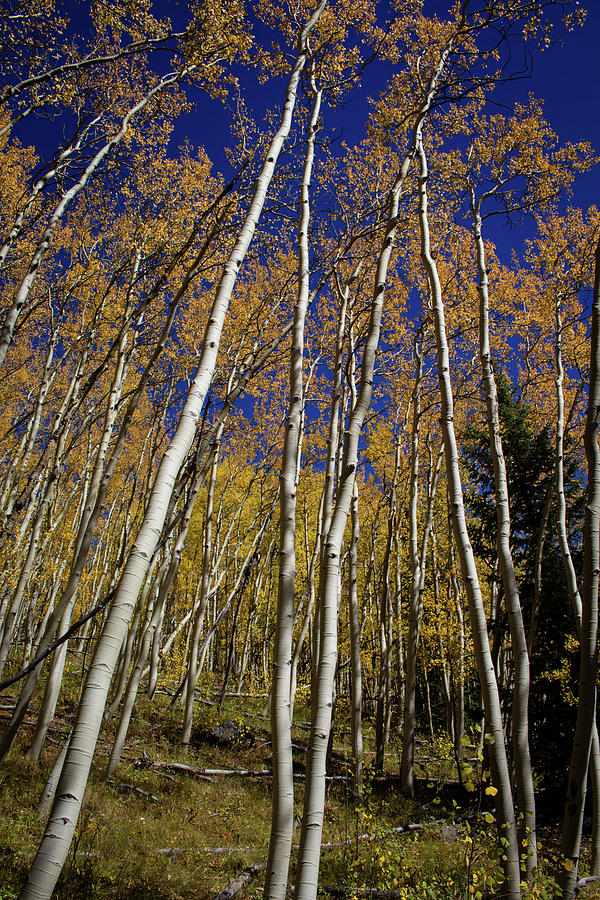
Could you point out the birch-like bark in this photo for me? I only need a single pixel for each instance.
(386, 611)
(586, 709)
(307, 602)
(47, 797)
(355, 661)
(203, 598)
(282, 811)
(505, 815)
(353, 612)
(444, 667)
(520, 715)
(415, 614)
(459, 678)
(329, 580)
(333, 442)
(57, 838)
(415, 609)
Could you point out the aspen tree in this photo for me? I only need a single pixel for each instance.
(353, 611)
(283, 783)
(416, 599)
(63, 818)
(418, 552)
(520, 725)
(519, 171)
(383, 707)
(314, 796)
(505, 816)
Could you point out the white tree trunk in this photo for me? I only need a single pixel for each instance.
(505, 816)
(520, 719)
(59, 832)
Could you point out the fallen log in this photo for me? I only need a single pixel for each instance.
(375, 893)
(137, 790)
(235, 886)
(209, 774)
(177, 851)
(583, 882)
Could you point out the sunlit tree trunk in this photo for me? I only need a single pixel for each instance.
(355, 662)
(384, 704)
(54, 846)
(307, 602)
(505, 814)
(415, 608)
(329, 581)
(418, 566)
(282, 814)
(459, 679)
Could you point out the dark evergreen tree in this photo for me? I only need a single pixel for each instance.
(529, 459)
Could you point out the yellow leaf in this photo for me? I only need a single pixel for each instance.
(491, 791)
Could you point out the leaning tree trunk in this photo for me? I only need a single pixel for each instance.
(56, 841)
(505, 814)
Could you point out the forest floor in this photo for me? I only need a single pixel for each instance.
(161, 830)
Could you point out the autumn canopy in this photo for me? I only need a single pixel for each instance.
(300, 419)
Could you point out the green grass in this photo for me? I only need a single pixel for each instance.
(129, 845)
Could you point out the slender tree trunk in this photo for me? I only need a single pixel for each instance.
(586, 709)
(520, 718)
(282, 814)
(415, 608)
(505, 816)
(192, 667)
(384, 705)
(55, 844)
(329, 581)
(355, 661)
(459, 680)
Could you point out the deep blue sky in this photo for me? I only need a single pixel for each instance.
(565, 77)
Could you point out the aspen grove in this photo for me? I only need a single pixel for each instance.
(300, 419)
